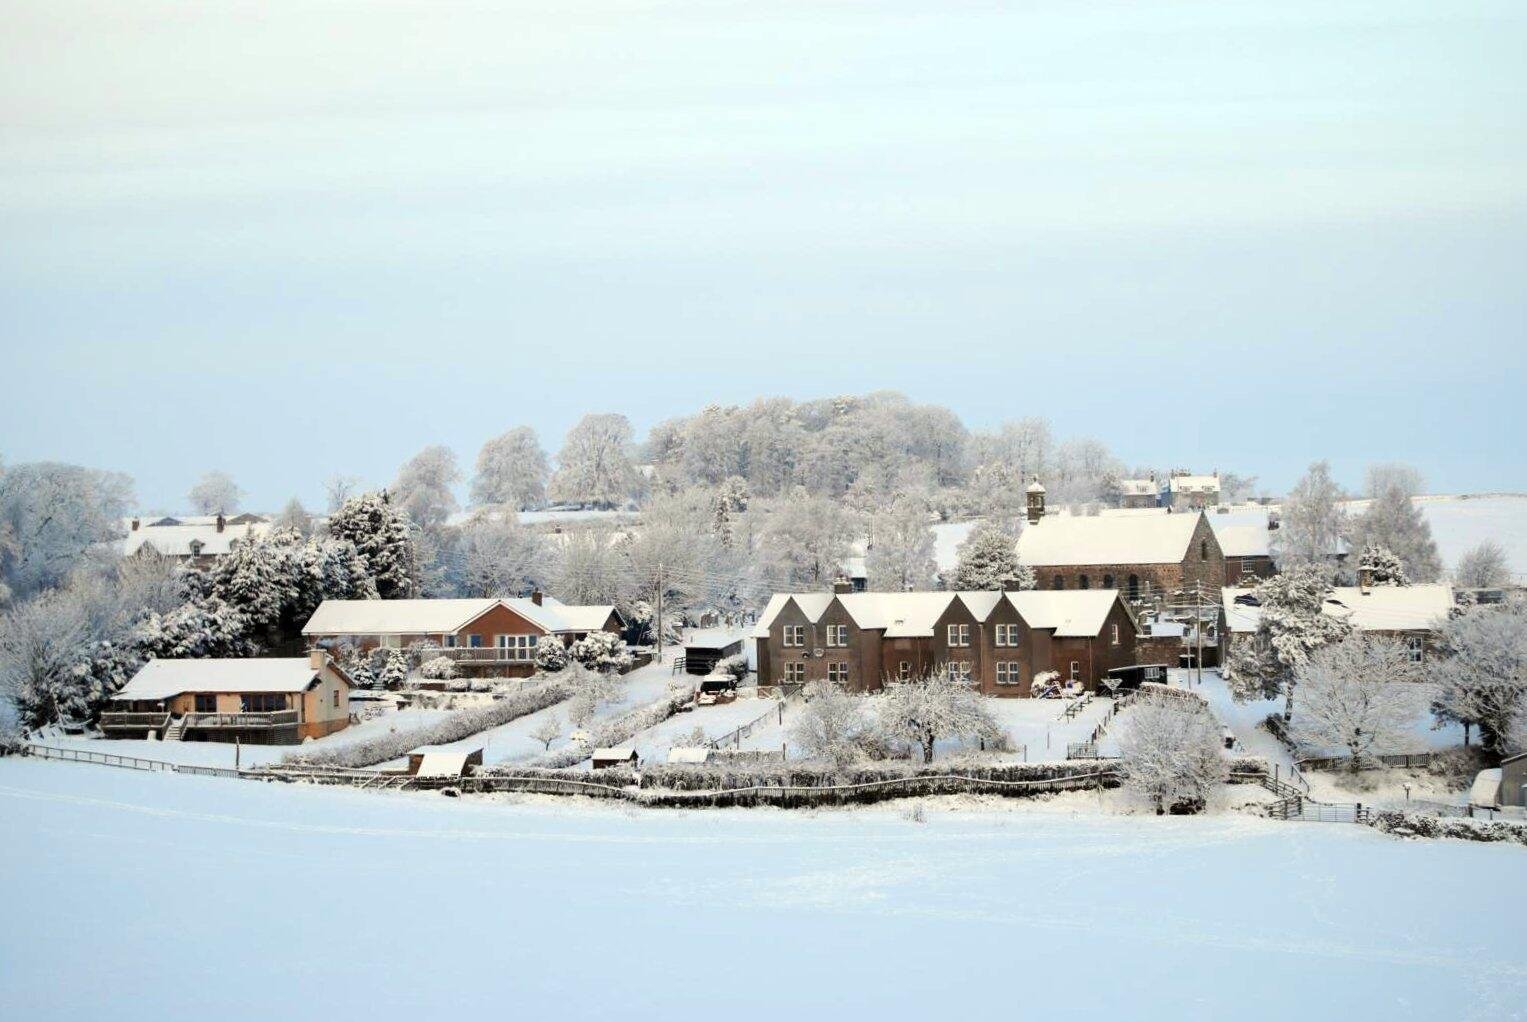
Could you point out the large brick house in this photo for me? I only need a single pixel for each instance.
(197, 539)
(1412, 614)
(497, 636)
(998, 640)
(1146, 556)
(1248, 553)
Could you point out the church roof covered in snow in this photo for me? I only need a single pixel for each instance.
(1113, 539)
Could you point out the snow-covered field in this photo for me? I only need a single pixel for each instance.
(159, 897)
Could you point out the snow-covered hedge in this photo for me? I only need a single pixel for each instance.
(457, 726)
(1405, 824)
(712, 777)
(440, 668)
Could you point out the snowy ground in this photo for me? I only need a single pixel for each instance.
(232, 900)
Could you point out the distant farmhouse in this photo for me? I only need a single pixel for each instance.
(997, 640)
(1414, 614)
(1180, 491)
(259, 701)
(481, 635)
(198, 539)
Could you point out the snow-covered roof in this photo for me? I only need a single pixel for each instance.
(442, 761)
(1244, 540)
(1141, 539)
(1485, 791)
(711, 638)
(1380, 609)
(1195, 484)
(688, 754)
(618, 752)
(1138, 487)
(914, 615)
(201, 539)
(428, 617)
(1071, 612)
(162, 679)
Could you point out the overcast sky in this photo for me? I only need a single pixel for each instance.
(289, 239)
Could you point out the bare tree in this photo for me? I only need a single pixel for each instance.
(1385, 476)
(1483, 567)
(1311, 527)
(1171, 753)
(1357, 694)
(594, 464)
(1484, 679)
(548, 731)
(423, 487)
(828, 726)
(339, 488)
(901, 557)
(928, 710)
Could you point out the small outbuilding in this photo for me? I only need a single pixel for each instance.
(1513, 780)
(621, 756)
(436, 761)
(704, 648)
(689, 755)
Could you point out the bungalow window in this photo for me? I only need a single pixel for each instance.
(391, 642)
(904, 670)
(1009, 672)
(795, 672)
(959, 635)
(474, 641)
(206, 702)
(837, 672)
(1007, 635)
(837, 635)
(449, 640)
(262, 702)
(795, 635)
(1417, 647)
(519, 648)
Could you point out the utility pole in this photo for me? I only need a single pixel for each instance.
(660, 612)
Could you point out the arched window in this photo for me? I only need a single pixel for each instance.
(1134, 587)
(1060, 582)
(1107, 581)
(1084, 582)
(1203, 550)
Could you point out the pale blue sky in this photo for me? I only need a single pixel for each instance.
(288, 239)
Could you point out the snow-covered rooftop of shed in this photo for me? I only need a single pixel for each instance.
(712, 638)
(619, 752)
(1244, 540)
(162, 679)
(1116, 539)
(689, 754)
(1380, 609)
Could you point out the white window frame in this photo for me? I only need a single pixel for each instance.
(958, 670)
(1417, 648)
(1115, 640)
(795, 672)
(837, 671)
(390, 642)
(837, 636)
(1076, 670)
(958, 636)
(1009, 672)
(904, 670)
(794, 636)
(521, 646)
(1007, 635)
(448, 641)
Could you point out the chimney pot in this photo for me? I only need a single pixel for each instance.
(221, 521)
(841, 584)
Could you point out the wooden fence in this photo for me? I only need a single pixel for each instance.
(126, 762)
(735, 736)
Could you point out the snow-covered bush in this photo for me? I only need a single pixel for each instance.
(829, 725)
(601, 651)
(736, 666)
(391, 668)
(1403, 824)
(551, 655)
(1046, 685)
(439, 668)
(922, 712)
(1381, 567)
(1171, 753)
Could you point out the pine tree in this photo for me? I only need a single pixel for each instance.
(1395, 522)
(1292, 625)
(382, 539)
(988, 560)
(1381, 567)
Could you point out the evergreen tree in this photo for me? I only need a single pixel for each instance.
(1381, 567)
(381, 537)
(988, 560)
(1395, 522)
(1292, 625)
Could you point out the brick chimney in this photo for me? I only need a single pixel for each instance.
(221, 521)
(1010, 585)
(842, 584)
(317, 659)
(536, 597)
(136, 523)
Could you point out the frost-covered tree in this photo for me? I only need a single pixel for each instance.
(381, 537)
(215, 494)
(828, 726)
(551, 656)
(590, 568)
(594, 465)
(295, 517)
(41, 642)
(1292, 625)
(988, 560)
(548, 731)
(1394, 522)
(500, 557)
(1381, 478)
(901, 557)
(1483, 567)
(391, 668)
(804, 540)
(602, 652)
(56, 518)
(438, 668)
(1171, 753)
(1357, 694)
(676, 551)
(512, 471)
(1381, 567)
(924, 712)
(581, 708)
(339, 488)
(1484, 678)
(423, 487)
(1311, 524)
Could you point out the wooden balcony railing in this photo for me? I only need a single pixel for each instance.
(273, 718)
(134, 720)
(485, 655)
